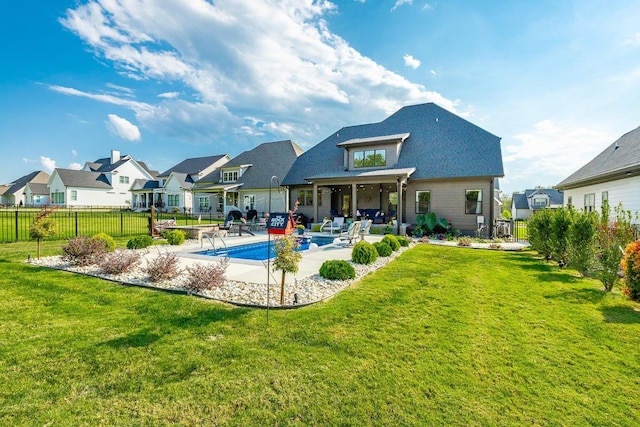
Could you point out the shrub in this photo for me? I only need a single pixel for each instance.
(582, 238)
(383, 248)
(43, 226)
(337, 270)
(140, 242)
(119, 261)
(613, 236)
(631, 268)
(175, 237)
(392, 241)
(375, 230)
(539, 232)
(465, 241)
(316, 228)
(364, 253)
(208, 276)
(109, 243)
(83, 251)
(163, 267)
(404, 242)
(562, 219)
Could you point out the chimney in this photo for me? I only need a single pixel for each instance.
(115, 156)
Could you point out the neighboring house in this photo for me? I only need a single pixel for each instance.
(36, 194)
(421, 159)
(105, 182)
(244, 183)
(13, 194)
(613, 175)
(172, 188)
(523, 205)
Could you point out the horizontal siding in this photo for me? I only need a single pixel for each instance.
(625, 191)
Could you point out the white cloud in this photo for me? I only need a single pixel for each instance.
(433, 73)
(633, 40)
(123, 128)
(74, 166)
(169, 95)
(74, 153)
(47, 163)
(427, 7)
(400, 3)
(264, 59)
(410, 61)
(551, 149)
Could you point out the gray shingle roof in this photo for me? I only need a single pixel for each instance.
(83, 179)
(617, 159)
(555, 197)
(193, 165)
(35, 177)
(520, 201)
(267, 159)
(38, 188)
(440, 145)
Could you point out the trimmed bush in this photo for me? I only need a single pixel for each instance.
(202, 277)
(316, 228)
(383, 248)
(404, 242)
(364, 253)
(375, 230)
(337, 270)
(631, 268)
(392, 241)
(140, 242)
(163, 267)
(83, 251)
(175, 237)
(109, 243)
(119, 261)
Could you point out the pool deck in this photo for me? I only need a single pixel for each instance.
(256, 271)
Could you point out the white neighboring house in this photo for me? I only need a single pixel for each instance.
(15, 193)
(171, 190)
(36, 194)
(105, 182)
(523, 205)
(613, 175)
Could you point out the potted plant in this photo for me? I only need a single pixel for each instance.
(300, 228)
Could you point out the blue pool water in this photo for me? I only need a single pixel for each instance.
(259, 251)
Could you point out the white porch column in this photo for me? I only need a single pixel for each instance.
(315, 202)
(354, 201)
(399, 212)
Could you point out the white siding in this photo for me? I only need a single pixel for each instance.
(625, 191)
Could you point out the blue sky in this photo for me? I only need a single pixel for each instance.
(164, 80)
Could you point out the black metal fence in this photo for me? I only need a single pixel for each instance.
(519, 230)
(73, 222)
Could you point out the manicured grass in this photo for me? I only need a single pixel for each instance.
(441, 336)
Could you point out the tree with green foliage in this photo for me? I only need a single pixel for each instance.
(43, 226)
(562, 219)
(286, 258)
(614, 234)
(583, 241)
(539, 232)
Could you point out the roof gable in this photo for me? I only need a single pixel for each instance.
(439, 145)
(613, 163)
(80, 179)
(39, 177)
(195, 165)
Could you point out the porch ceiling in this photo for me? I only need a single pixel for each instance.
(378, 175)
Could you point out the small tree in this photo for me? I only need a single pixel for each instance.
(43, 226)
(561, 222)
(613, 237)
(539, 232)
(286, 259)
(583, 239)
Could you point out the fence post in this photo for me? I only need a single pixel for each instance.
(122, 223)
(76, 217)
(17, 227)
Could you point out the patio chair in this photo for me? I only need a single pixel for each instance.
(335, 225)
(365, 228)
(352, 233)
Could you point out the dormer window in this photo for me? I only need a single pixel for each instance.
(230, 176)
(370, 158)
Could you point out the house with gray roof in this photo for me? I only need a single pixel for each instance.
(172, 188)
(420, 159)
(36, 194)
(244, 182)
(613, 175)
(105, 182)
(13, 194)
(523, 205)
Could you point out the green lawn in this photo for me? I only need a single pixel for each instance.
(441, 336)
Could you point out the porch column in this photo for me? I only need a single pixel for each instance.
(399, 212)
(315, 202)
(354, 201)
(224, 203)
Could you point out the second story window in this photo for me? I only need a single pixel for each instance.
(230, 176)
(124, 180)
(369, 158)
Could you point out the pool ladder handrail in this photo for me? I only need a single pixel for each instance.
(212, 239)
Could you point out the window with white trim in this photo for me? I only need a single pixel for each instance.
(423, 201)
(590, 202)
(369, 158)
(473, 202)
(173, 200)
(57, 198)
(74, 195)
(229, 176)
(124, 179)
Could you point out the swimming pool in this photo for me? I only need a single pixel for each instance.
(260, 251)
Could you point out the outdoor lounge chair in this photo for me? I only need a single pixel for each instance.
(335, 225)
(365, 228)
(352, 233)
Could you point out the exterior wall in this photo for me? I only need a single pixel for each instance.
(625, 191)
(448, 201)
(32, 200)
(261, 204)
(96, 197)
